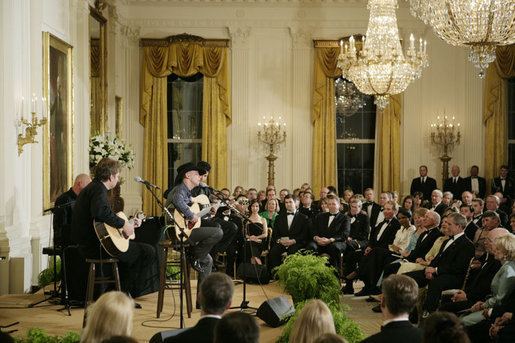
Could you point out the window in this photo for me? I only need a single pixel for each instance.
(355, 137)
(511, 125)
(184, 104)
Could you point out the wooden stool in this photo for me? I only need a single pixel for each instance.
(94, 280)
(165, 284)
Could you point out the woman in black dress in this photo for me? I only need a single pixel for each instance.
(256, 235)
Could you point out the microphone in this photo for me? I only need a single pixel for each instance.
(139, 179)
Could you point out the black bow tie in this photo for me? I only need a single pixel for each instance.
(291, 213)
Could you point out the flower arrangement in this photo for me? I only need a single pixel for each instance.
(112, 147)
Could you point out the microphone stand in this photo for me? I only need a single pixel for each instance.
(181, 238)
(246, 220)
(55, 293)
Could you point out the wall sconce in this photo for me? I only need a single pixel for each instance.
(445, 133)
(27, 128)
(272, 133)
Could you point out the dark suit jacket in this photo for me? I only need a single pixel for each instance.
(401, 331)
(376, 209)
(455, 188)
(387, 237)
(202, 332)
(339, 228)
(300, 228)
(424, 244)
(470, 230)
(456, 258)
(482, 186)
(359, 230)
(509, 187)
(427, 188)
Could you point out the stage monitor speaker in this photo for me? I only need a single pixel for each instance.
(275, 312)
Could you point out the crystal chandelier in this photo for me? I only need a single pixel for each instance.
(380, 68)
(347, 98)
(479, 24)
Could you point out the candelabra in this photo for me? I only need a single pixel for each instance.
(445, 133)
(27, 128)
(272, 133)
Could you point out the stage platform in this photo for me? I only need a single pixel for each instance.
(14, 308)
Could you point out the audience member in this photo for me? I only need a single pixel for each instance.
(216, 292)
(399, 297)
(111, 315)
(444, 327)
(236, 327)
(314, 320)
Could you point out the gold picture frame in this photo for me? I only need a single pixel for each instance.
(58, 133)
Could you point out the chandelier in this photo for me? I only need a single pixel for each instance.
(380, 68)
(479, 24)
(347, 98)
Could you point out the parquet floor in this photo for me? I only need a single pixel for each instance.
(14, 308)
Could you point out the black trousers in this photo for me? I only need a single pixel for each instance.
(435, 286)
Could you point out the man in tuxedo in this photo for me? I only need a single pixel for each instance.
(357, 240)
(478, 206)
(291, 232)
(455, 184)
(471, 228)
(503, 183)
(330, 232)
(475, 183)
(447, 270)
(477, 285)
(436, 202)
(400, 294)
(424, 184)
(216, 293)
(424, 243)
(382, 235)
(492, 204)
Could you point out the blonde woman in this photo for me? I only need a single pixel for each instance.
(314, 320)
(111, 315)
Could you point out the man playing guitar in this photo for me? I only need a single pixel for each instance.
(92, 205)
(203, 238)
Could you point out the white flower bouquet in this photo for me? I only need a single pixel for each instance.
(113, 147)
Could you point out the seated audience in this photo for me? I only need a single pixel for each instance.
(236, 327)
(503, 282)
(314, 320)
(111, 315)
(216, 292)
(400, 295)
(330, 232)
(447, 270)
(445, 327)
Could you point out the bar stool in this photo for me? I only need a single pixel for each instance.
(164, 283)
(95, 280)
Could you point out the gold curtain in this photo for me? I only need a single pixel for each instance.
(389, 145)
(495, 111)
(184, 58)
(324, 118)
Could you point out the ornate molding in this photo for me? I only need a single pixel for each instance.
(239, 34)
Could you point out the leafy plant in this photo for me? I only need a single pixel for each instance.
(37, 335)
(46, 276)
(306, 276)
(343, 325)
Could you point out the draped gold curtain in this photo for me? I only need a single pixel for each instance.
(324, 122)
(495, 111)
(389, 145)
(184, 57)
(324, 118)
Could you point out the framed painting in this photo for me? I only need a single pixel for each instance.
(58, 133)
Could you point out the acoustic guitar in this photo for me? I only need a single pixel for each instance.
(200, 206)
(114, 240)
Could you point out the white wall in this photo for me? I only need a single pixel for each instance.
(271, 60)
